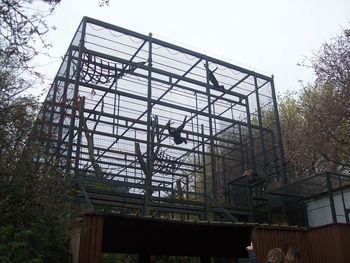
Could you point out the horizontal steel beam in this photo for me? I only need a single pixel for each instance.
(175, 47)
(162, 72)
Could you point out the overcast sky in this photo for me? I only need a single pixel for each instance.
(269, 37)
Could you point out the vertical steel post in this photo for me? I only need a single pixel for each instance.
(204, 177)
(198, 142)
(260, 120)
(75, 96)
(187, 188)
(279, 135)
(114, 110)
(212, 150)
(149, 150)
(80, 133)
(224, 177)
(50, 122)
(241, 148)
(251, 203)
(306, 218)
(250, 135)
(253, 164)
(343, 199)
(274, 152)
(331, 198)
(217, 160)
(62, 109)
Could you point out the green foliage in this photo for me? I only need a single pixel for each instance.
(122, 258)
(22, 29)
(35, 210)
(15, 245)
(315, 124)
(35, 202)
(34, 218)
(32, 243)
(289, 108)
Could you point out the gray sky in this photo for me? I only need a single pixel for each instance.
(270, 36)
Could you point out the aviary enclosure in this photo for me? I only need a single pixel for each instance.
(151, 128)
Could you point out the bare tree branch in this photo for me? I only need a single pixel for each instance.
(89, 138)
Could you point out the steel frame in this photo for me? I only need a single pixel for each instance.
(125, 79)
(325, 184)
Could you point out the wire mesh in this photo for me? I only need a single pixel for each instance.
(127, 80)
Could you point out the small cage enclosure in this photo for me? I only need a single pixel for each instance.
(152, 128)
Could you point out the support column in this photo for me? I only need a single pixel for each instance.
(282, 161)
(48, 133)
(251, 203)
(260, 122)
(148, 181)
(74, 99)
(251, 141)
(347, 220)
(80, 133)
(204, 177)
(224, 178)
(331, 198)
(62, 109)
(212, 150)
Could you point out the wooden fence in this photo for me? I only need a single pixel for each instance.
(324, 244)
(330, 243)
(100, 234)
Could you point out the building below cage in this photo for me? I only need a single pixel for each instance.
(147, 239)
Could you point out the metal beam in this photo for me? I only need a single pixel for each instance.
(175, 47)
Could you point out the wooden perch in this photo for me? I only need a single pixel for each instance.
(179, 189)
(157, 136)
(140, 158)
(148, 177)
(89, 138)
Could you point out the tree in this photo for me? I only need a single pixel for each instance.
(21, 28)
(316, 125)
(299, 143)
(327, 104)
(332, 63)
(34, 212)
(34, 203)
(104, 2)
(328, 122)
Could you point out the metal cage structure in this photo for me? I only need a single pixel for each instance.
(112, 112)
